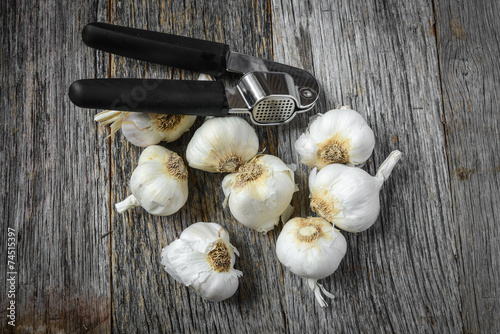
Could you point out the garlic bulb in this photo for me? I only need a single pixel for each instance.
(339, 136)
(348, 197)
(260, 192)
(158, 184)
(311, 248)
(142, 129)
(222, 145)
(203, 259)
(145, 129)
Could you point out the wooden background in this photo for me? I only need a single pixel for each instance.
(425, 75)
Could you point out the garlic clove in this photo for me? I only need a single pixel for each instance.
(203, 259)
(285, 216)
(348, 197)
(260, 192)
(138, 129)
(222, 145)
(155, 153)
(338, 136)
(217, 288)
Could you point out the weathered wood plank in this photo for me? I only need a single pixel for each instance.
(430, 264)
(55, 171)
(468, 52)
(380, 58)
(144, 296)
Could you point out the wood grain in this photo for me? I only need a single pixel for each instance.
(55, 171)
(379, 58)
(468, 53)
(145, 298)
(423, 73)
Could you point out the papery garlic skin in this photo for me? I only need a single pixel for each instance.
(222, 145)
(313, 249)
(348, 197)
(158, 184)
(203, 258)
(338, 136)
(145, 129)
(260, 192)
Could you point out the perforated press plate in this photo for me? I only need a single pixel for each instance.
(274, 110)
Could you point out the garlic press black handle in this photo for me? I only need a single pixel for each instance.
(176, 51)
(180, 97)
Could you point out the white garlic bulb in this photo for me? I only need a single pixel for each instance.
(339, 136)
(260, 192)
(347, 196)
(203, 259)
(311, 248)
(145, 129)
(222, 145)
(158, 184)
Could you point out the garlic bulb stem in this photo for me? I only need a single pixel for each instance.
(385, 169)
(128, 203)
(107, 116)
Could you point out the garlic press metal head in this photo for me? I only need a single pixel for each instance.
(271, 93)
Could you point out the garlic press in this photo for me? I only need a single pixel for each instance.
(270, 92)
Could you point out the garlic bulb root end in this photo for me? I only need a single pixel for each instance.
(127, 204)
(385, 169)
(318, 289)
